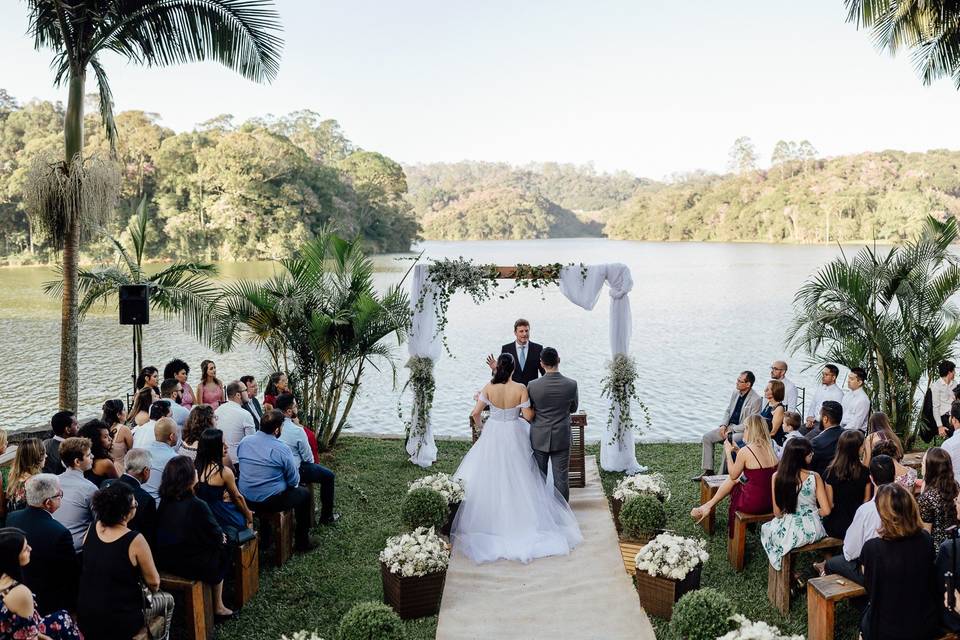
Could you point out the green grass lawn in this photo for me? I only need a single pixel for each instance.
(313, 591)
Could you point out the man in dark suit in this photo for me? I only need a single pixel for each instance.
(64, 425)
(553, 398)
(136, 471)
(825, 444)
(252, 405)
(53, 573)
(526, 354)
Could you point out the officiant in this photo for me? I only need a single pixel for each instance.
(525, 354)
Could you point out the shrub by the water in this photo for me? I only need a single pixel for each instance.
(642, 516)
(703, 614)
(424, 508)
(371, 621)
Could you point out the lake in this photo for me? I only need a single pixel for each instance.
(701, 314)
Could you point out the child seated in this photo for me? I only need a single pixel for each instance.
(791, 429)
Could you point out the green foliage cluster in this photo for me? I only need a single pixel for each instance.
(371, 621)
(703, 614)
(424, 507)
(642, 516)
(222, 191)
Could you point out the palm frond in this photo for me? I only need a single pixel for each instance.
(106, 105)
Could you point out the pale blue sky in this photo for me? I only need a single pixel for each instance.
(652, 87)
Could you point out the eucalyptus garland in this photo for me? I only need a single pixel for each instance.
(620, 385)
(423, 384)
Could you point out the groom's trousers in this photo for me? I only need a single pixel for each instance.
(560, 461)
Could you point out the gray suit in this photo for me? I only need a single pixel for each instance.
(750, 407)
(553, 398)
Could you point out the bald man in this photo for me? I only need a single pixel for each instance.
(778, 371)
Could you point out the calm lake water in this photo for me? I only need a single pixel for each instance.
(701, 314)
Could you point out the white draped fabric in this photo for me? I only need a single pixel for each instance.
(422, 343)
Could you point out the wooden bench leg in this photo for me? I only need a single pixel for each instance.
(820, 615)
(710, 522)
(199, 623)
(281, 534)
(247, 571)
(778, 585)
(737, 545)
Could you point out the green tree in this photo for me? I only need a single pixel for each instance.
(743, 155)
(241, 34)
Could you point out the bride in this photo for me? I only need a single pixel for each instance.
(509, 510)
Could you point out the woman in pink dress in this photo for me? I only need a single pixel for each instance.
(210, 390)
(179, 370)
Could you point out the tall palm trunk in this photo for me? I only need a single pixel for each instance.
(69, 316)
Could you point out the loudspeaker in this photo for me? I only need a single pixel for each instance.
(134, 304)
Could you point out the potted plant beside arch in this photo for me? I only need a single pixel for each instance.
(413, 567)
(449, 487)
(641, 518)
(630, 486)
(667, 567)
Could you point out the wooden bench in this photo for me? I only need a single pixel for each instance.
(913, 460)
(778, 582)
(281, 529)
(823, 594)
(246, 571)
(708, 488)
(197, 605)
(737, 544)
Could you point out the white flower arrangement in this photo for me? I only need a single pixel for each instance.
(449, 487)
(759, 630)
(672, 556)
(302, 635)
(652, 483)
(417, 553)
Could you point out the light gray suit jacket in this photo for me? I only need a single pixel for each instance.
(553, 397)
(751, 407)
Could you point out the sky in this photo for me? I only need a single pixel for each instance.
(653, 87)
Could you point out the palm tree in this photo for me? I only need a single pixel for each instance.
(322, 323)
(240, 34)
(890, 313)
(930, 29)
(183, 288)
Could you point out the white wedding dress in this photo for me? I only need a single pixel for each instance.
(508, 510)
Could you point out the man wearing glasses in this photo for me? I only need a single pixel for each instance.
(778, 371)
(744, 402)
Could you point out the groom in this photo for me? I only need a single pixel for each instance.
(526, 354)
(553, 398)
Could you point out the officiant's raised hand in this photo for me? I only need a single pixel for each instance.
(491, 362)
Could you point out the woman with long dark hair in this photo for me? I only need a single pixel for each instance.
(140, 411)
(114, 415)
(277, 385)
(27, 462)
(210, 390)
(906, 476)
(179, 370)
(149, 378)
(847, 482)
(103, 467)
(217, 485)
(799, 502)
(879, 430)
(19, 617)
(937, 502)
(201, 418)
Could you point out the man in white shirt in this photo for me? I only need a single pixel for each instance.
(856, 404)
(778, 371)
(941, 391)
(144, 435)
(865, 523)
(827, 390)
(952, 444)
(172, 391)
(235, 421)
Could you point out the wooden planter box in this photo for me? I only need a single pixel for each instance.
(415, 596)
(615, 505)
(658, 594)
(445, 529)
(629, 548)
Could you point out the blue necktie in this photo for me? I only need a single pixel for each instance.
(523, 357)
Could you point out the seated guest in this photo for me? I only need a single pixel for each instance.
(792, 425)
(161, 451)
(878, 430)
(146, 433)
(948, 577)
(864, 527)
(217, 486)
(276, 385)
(825, 443)
(148, 378)
(64, 425)
(773, 411)
(190, 543)
(799, 502)
(826, 390)
(252, 404)
(952, 444)
(98, 433)
(899, 572)
(906, 476)
(115, 415)
(744, 402)
(19, 616)
(778, 371)
(756, 462)
(172, 391)
(269, 479)
(210, 390)
(136, 472)
(847, 482)
(937, 502)
(140, 412)
(202, 417)
(235, 421)
(75, 511)
(3, 495)
(310, 472)
(179, 370)
(54, 569)
(856, 404)
(115, 561)
(27, 462)
(941, 391)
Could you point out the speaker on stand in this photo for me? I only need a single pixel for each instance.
(135, 311)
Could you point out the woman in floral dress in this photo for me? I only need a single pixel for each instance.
(938, 509)
(799, 501)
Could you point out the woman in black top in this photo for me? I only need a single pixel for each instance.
(848, 483)
(103, 467)
(190, 543)
(899, 573)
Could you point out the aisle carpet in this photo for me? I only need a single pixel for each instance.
(584, 595)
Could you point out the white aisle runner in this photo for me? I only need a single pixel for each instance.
(582, 596)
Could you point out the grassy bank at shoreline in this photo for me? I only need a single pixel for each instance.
(313, 591)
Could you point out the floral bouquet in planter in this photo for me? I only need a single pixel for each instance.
(755, 631)
(418, 553)
(653, 483)
(672, 556)
(449, 487)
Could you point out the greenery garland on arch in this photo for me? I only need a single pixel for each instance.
(620, 385)
(424, 385)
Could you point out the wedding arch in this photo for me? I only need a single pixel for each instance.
(430, 291)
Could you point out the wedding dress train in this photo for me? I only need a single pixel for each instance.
(509, 511)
